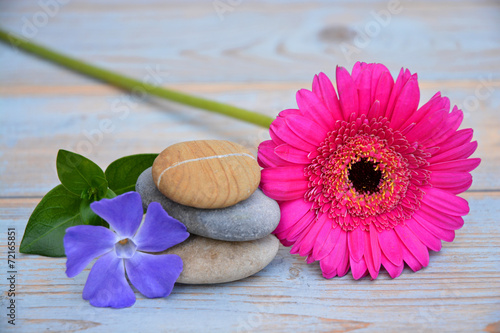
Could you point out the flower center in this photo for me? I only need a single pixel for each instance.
(361, 174)
(125, 248)
(365, 176)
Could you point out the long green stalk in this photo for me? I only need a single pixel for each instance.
(131, 84)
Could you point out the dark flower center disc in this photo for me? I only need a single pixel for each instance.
(365, 176)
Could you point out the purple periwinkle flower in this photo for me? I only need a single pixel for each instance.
(125, 250)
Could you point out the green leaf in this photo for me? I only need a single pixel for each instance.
(58, 210)
(110, 194)
(122, 174)
(80, 175)
(88, 215)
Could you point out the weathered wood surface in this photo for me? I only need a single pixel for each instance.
(255, 56)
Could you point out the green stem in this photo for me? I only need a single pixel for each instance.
(131, 84)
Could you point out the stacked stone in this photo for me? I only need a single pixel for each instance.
(211, 187)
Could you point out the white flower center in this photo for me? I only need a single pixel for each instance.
(125, 248)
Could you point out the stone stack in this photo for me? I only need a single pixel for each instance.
(211, 187)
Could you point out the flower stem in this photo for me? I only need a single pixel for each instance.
(131, 84)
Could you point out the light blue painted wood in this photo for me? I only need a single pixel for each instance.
(257, 57)
(458, 291)
(72, 122)
(260, 41)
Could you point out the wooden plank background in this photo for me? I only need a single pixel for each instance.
(255, 55)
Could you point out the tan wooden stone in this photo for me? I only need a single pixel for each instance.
(206, 173)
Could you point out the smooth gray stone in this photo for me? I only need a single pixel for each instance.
(207, 261)
(253, 218)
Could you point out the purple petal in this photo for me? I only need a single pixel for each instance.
(123, 213)
(159, 231)
(83, 243)
(106, 285)
(154, 275)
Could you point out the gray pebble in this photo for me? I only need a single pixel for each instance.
(207, 261)
(253, 218)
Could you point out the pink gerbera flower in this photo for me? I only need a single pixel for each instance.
(367, 178)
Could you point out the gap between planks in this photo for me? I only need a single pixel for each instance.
(102, 89)
(10, 201)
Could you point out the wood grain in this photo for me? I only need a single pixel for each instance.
(257, 56)
(208, 174)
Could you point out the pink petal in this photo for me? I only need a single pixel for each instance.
(383, 92)
(313, 108)
(396, 91)
(323, 88)
(454, 182)
(326, 241)
(307, 129)
(343, 266)
(356, 243)
(407, 103)
(348, 94)
(427, 238)
(287, 112)
(378, 70)
(281, 235)
(443, 234)
(296, 244)
(393, 270)
(374, 111)
(357, 69)
(370, 263)
(266, 156)
(285, 173)
(319, 251)
(284, 134)
(336, 257)
(363, 84)
(268, 144)
(445, 202)
(458, 138)
(329, 275)
(413, 244)
(358, 269)
(427, 128)
(457, 153)
(391, 246)
(308, 240)
(464, 165)
(375, 246)
(291, 212)
(327, 269)
(410, 260)
(444, 221)
(284, 242)
(292, 154)
(439, 132)
(277, 123)
(284, 190)
(435, 103)
(450, 127)
(301, 225)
